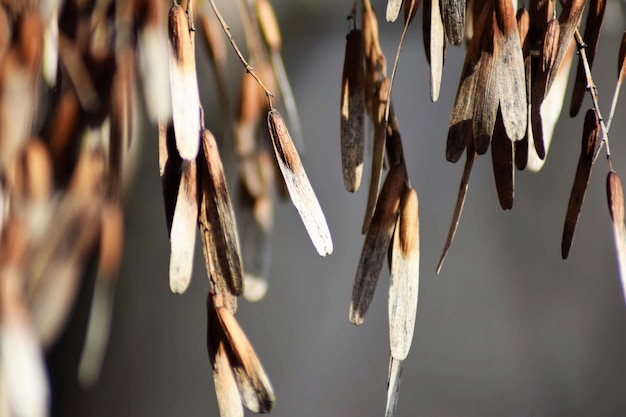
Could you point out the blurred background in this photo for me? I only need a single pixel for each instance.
(507, 329)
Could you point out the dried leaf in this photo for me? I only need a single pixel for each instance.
(184, 85)
(404, 282)
(376, 244)
(183, 233)
(353, 112)
(591, 136)
(298, 185)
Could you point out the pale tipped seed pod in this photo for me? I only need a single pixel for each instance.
(298, 185)
(353, 112)
(183, 232)
(404, 282)
(184, 85)
(393, 10)
(615, 197)
(376, 244)
(591, 137)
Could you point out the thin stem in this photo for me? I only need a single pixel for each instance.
(614, 104)
(247, 66)
(593, 91)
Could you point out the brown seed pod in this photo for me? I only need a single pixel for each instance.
(621, 60)
(410, 9)
(502, 161)
(269, 24)
(353, 111)
(550, 45)
(453, 13)
(591, 137)
(615, 196)
(298, 185)
(376, 244)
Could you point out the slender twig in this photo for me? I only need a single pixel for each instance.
(248, 67)
(593, 91)
(614, 104)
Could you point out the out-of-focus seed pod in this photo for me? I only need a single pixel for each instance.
(393, 10)
(353, 112)
(269, 24)
(298, 185)
(621, 60)
(615, 197)
(550, 45)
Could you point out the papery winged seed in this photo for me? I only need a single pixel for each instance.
(511, 82)
(183, 85)
(550, 45)
(593, 25)
(378, 152)
(404, 282)
(376, 244)
(502, 161)
(226, 389)
(437, 41)
(152, 64)
(224, 241)
(591, 136)
(393, 10)
(353, 112)
(621, 60)
(615, 196)
(486, 103)
(393, 386)
(254, 385)
(460, 202)
(269, 24)
(183, 233)
(298, 185)
(453, 12)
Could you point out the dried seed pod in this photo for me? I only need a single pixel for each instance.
(184, 85)
(353, 112)
(615, 196)
(591, 137)
(393, 386)
(255, 388)
(550, 45)
(460, 202)
(269, 24)
(404, 282)
(593, 25)
(111, 240)
(453, 13)
(5, 33)
(376, 244)
(217, 219)
(183, 232)
(435, 44)
(393, 10)
(378, 153)
(502, 161)
(37, 171)
(298, 185)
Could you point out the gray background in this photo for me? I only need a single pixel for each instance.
(507, 329)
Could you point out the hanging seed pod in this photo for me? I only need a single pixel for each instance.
(550, 46)
(353, 112)
(453, 13)
(269, 24)
(393, 10)
(404, 282)
(502, 161)
(184, 85)
(376, 244)
(183, 233)
(615, 196)
(435, 44)
(298, 185)
(621, 60)
(591, 137)
(393, 386)
(410, 9)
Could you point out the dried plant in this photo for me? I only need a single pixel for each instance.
(70, 74)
